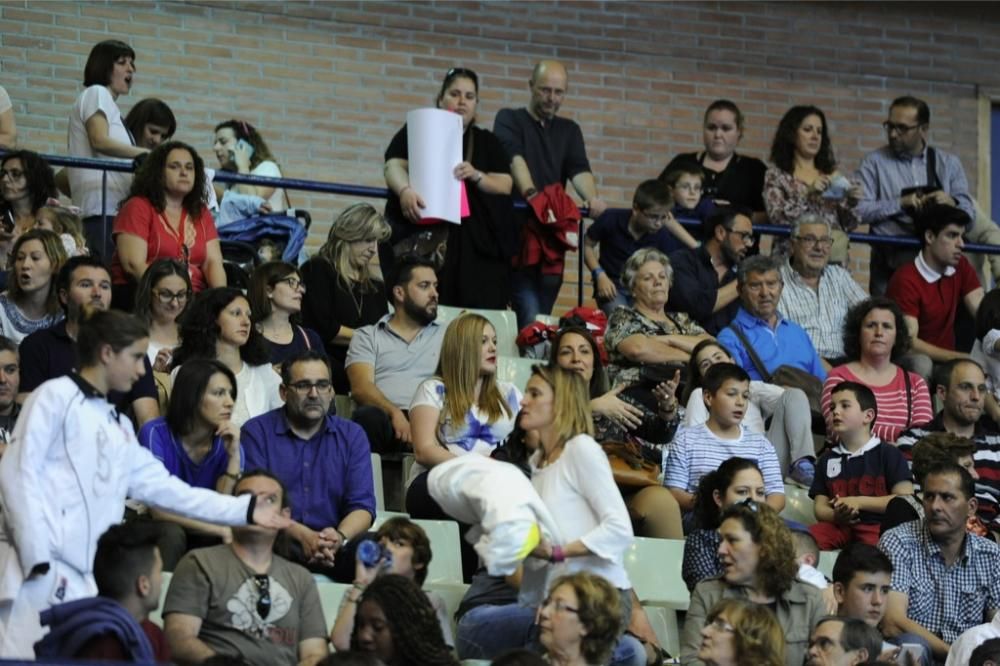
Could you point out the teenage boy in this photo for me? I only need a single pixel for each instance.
(685, 185)
(862, 578)
(619, 233)
(858, 477)
(698, 450)
(407, 552)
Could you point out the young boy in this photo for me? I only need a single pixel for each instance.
(700, 449)
(620, 233)
(409, 553)
(685, 183)
(858, 477)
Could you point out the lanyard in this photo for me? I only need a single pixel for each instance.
(179, 236)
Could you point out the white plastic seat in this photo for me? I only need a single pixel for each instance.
(798, 505)
(386, 515)
(452, 594)
(330, 594)
(665, 626)
(504, 322)
(654, 568)
(827, 558)
(446, 560)
(548, 320)
(377, 482)
(156, 616)
(517, 371)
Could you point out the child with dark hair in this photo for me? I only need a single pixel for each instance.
(700, 449)
(856, 480)
(406, 551)
(686, 182)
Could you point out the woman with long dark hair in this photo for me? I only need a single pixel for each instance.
(240, 148)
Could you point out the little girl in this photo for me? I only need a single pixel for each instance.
(65, 222)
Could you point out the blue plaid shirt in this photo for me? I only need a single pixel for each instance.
(945, 600)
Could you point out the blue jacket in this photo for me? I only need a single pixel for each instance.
(76, 623)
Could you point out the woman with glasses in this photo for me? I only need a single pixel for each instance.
(580, 620)
(198, 443)
(875, 338)
(476, 267)
(31, 301)
(738, 632)
(218, 326)
(343, 289)
(804, 178)
(165, 217)
(26, 184)
(161, 299)
(276, 294)
(758, 565)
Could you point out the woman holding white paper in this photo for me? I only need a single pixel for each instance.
(477, 260)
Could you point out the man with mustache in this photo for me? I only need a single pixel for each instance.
(387, 360)
(944, 579)
(777, 340)
(322, 459)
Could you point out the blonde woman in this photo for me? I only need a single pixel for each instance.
(343, 291)
(31, 302)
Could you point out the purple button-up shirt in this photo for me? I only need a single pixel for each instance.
(327, 476)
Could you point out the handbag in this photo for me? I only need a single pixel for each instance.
(786, 375)
(628, 466)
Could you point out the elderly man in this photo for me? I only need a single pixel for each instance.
(944, 579)
(843, 641)
(903, 177)
(817, 295)
(545, 150)
(776, 340)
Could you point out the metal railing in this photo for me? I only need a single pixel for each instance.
(381, 193)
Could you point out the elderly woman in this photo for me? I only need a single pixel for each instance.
(580, 620)
(738, 632)
(343, 290)
(875, 337)
(758, 563)
(730, 179)
(646, 336)
(804, 178)
(476, 270)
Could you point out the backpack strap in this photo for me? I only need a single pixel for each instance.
(757, 363)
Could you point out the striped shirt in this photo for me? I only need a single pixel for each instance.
(894, 414)
(820, 312)
(697, 451)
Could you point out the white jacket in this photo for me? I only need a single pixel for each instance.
(71, 463)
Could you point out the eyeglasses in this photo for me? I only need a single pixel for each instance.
(14, 174)
(305, 388)
(899, 127)
(165, 296)
(558, 605)
(462, 71)
(263, 584)
(825, 241)
(294, 283)
(745, 236)
(722, 625)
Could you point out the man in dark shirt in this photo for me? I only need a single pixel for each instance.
(704, 283)
(544, 150)
(50, 352)
(10, 380)
(114, 625)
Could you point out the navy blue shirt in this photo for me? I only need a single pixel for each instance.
(611, 232)
(51, 353)
(327, 477)
(871, 471)
(696, 286)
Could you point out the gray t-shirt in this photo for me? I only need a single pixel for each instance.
(400, 366)
(215, 585)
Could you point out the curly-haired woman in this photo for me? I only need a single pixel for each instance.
(758, 563)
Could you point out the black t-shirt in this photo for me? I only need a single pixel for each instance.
(741, 183)
(554, 152)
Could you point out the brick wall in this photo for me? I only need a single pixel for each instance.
(329, 83)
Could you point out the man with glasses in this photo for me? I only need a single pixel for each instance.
(776, 339)
(544, 150)
(704, 283)
(242, 601)
(817, 295)
(843, 641)
(902, 177)
(325, 462)
(49, 353)
(619, 233)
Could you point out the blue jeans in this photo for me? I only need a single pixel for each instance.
(621, 298)
(485, 632)
(533, 293)
(928, 656)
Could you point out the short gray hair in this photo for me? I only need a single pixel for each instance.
(810, 218)
(640, 257)
(755, 264)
